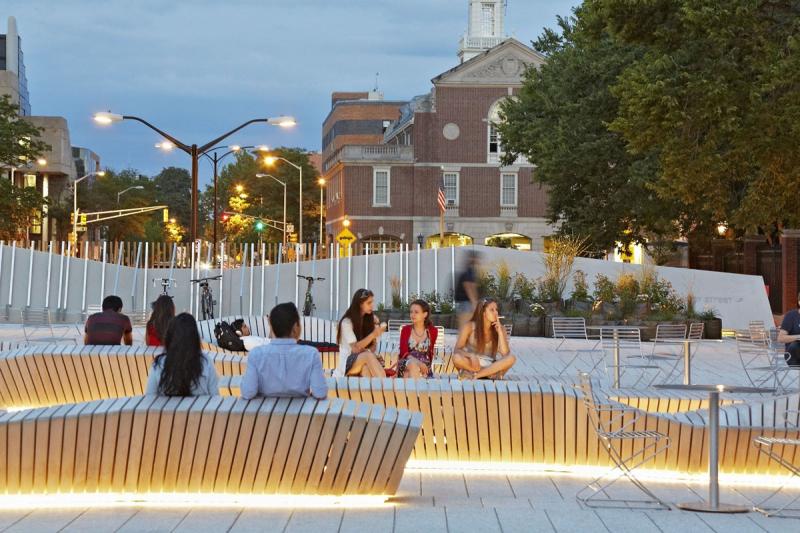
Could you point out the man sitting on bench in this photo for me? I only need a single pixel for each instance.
(283, 368)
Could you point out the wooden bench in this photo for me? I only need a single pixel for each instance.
(54, 374)
(205, 444)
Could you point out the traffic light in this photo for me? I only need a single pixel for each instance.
(83, 219)
(225, 217)
(259, 225)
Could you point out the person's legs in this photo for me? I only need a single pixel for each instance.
(794, 354)
(466, 361)
(498, 368)
(415, 369)
(366, 365)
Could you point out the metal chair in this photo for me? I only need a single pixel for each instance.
(696, 330)
(35, 319)
(776, 449)
(626, 342)
(615, 425)
(574, 328)
(669, 335)
(761, 364)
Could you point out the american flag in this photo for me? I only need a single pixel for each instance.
(442, 199)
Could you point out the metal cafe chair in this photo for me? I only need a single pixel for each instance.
(781, 450)
(620, 344)
(574, 329)
(615, 425)
(696, 330)
(669, 335)
(762, 366)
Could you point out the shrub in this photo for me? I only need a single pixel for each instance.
(397, 285)
(603, 289)
(504, 281)
(580, 292)
(525, 288)
(627, 289)
(558, 264)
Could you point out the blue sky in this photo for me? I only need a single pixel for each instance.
(198, 68)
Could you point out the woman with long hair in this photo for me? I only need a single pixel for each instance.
(157, 324)
(359, 331)
(417, 342)
(183, 369)
(482, 347)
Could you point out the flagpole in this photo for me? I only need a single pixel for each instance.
(442, 201)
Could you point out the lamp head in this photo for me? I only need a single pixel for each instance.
(165, 145)
(234, 148)
(346, 222)
(106, 117)
(321, 182)
(283, 121)
(262, 148)
(41, 161)
(270, 160)
(100, 173)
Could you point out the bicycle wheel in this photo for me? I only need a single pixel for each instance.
(308, 305)
(208, 305)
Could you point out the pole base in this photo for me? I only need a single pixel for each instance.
(705, 507)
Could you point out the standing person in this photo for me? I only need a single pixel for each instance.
(466, 294)
(183, 369)
(482, 347)
(417, 342)
(110, 327)
(157, 324)
(359, 331)
(284, 368)
(789, 334)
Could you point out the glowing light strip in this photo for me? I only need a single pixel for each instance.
(585, 471)
(167, 499)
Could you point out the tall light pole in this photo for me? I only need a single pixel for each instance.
(135, 187)
(284, 201)
(270, 160)
(193, 150)
(100, 173)
(321, 182)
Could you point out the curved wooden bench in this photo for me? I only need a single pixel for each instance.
(54, 374)
(204, 444)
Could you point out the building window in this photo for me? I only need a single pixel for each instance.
(380, 187)
(495, 147)
(487, 19)
(450, 180)
(30, 180)
(377, 242)
(508, 190)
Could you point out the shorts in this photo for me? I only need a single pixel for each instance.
(486, 361)
(464, 307)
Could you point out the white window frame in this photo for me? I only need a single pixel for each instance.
(516, 189)
(388, 171)
(458, 187)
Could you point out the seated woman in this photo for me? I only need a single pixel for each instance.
(358, 336)
(417, 342)
(183, 369)
(482, 347)
(157, 324)
(283, 368)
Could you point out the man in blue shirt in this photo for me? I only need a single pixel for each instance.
(790, 334)
(284, 368)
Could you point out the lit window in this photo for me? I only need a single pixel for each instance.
(508, 190)
(450, 180)
(380, 187)
(30, 180)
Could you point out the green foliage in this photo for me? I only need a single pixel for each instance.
(173, 188)
(580, 290)
(487, 285)
(708, 314)
(524, 288)
(604, 289)
(626, 292)
(504, 281)
(19, 207)
(19, 139)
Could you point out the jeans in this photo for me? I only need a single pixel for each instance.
(793, 354)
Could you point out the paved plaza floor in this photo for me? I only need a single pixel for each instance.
(431, 501)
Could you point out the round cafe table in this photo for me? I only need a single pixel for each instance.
(713, 504)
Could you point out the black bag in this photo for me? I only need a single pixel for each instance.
(227, 338)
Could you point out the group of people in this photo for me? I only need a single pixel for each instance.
(283, 367)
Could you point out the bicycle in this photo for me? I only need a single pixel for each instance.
(308, 303)
(207, 301)
(166, 283)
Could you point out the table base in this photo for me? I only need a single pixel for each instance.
(705, 507)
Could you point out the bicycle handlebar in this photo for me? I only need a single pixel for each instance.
(310, 278)
(165, 281)
(199, 280)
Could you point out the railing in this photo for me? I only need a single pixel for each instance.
(508, 211)
(482, 43)
(372, 152)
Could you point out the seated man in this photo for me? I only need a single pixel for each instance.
(110, 326)
(284, 368)
(243, 332)
(790, 335)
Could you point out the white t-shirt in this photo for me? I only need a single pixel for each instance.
(252, 341)
(346, 337)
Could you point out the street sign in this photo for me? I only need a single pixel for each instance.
(293, 237)
(289, 228)
(81, 229)
(345, 237)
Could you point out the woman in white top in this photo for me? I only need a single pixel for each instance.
(359, 331)
(183, 369)
(481, 350)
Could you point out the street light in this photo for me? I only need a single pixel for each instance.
(135, 187)
(284, 201)
(321, 183)
(193, 150)
(270, 160)
(100, 173)
(420, 240)
(346, 222)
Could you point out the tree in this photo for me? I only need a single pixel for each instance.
(559, 122)
(173, 188)
(19, 206)
(717, 97)
(19, 139)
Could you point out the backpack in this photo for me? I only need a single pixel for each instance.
(227, 338)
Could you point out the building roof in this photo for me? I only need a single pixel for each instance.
(502, 65)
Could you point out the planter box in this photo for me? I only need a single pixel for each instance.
(712, 329)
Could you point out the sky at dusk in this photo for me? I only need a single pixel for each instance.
(198, 68)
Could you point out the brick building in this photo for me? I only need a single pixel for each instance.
(384, 161)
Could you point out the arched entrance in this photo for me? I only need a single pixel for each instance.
(376, 243)
(450, 239)
(510, 240)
